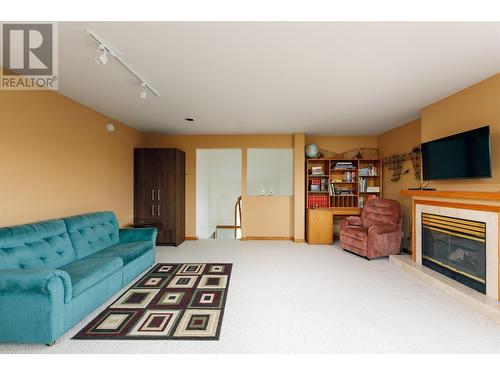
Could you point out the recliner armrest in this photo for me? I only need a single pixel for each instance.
(138, 234)
(383, 228)
(38, 280)
(352, 221)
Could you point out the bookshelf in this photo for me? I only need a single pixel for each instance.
(342, 183)
(338, 187)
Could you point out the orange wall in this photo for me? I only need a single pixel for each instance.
(400, 140)
(261, 216)
(339, 144)
(57, 159)
(471, 108)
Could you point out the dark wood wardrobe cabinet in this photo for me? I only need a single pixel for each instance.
(159, 196)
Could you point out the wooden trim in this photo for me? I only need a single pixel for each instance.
(465, 206)
(266, 238)
(299, 240)
(191, 238)
(228, 226)
(480, 195)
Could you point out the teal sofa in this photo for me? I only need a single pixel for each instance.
(54, 273)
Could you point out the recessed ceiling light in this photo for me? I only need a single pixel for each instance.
(189, 119)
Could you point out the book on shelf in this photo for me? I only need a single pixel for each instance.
(363, 184)
(373, 189)
(319, 200)
(318, 184)
(335, 190)
(317, 170)
(344, 165)
(350, 176)
(368, 171)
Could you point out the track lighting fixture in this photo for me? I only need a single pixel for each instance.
(107, 50)
(143, 94)
(102, 58)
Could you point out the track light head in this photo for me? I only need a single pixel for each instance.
(102, 58)
(143, 94)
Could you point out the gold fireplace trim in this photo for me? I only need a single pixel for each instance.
(482, 281)
(469, 229)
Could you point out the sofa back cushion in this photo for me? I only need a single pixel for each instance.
(93, 232)
(39, 245)
(381, 211)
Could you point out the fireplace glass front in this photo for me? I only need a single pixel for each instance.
(456, 248)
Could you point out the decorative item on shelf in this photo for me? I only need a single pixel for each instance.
(373, 189)
(361, 153)
(312, 151)
(395, 163)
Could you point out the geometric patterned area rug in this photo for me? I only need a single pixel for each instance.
(171, 302)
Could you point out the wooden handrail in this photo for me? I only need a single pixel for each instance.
(237, 211)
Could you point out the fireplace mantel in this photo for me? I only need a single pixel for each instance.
(475, 195)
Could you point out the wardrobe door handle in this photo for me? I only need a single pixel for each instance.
(152, 195)
(158, 210)
(158, 194)
(152, 210)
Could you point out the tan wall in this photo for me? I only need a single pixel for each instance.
(471, 108)
(57, 159)
(400, 140)
(261, 216)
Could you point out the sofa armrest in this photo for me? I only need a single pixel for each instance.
(382, 229)
(138, 234)
(40, 280)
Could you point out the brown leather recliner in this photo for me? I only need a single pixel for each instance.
(377, 232)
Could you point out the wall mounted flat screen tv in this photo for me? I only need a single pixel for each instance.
(459, 156)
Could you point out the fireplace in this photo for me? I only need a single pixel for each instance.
(456, 248)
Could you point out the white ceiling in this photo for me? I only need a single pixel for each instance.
(319, 78)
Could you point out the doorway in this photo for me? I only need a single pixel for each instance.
(218, 189)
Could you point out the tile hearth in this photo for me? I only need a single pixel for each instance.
(476, 300)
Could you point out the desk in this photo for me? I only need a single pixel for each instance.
(319, 223)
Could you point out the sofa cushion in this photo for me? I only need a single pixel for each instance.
(39, 245)
(128, 251)
(93, 232)
(87, 272)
